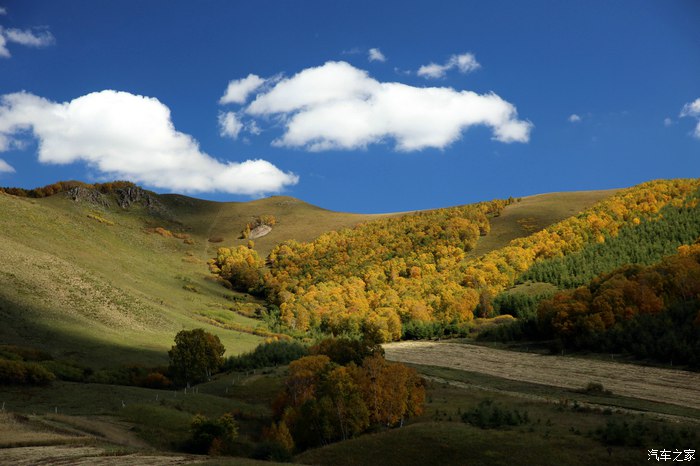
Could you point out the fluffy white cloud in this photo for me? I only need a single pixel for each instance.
(337, 106)
(131, 137)
(692, 110)
(376, 55)
(3, 11)
(6, 167)
(668, 122)
(40, 38)
(229, 125)
(238, 90)
(574, 118)
(465, 63)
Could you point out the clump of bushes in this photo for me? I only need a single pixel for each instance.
(490, 415)
(24, 373)
(268, 354)
(643, 432)
(213, 436)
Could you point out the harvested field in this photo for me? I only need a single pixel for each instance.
(649, 383)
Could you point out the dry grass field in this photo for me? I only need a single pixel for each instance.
(648, 383)
(532, 213)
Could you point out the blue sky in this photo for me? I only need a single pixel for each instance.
(514, 98)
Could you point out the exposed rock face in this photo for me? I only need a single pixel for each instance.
(134, 195)
(125, 198)
(89, 195)
(260, 230)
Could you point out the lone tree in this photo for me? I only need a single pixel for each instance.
(195, 356)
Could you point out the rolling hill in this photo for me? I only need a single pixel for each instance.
(99, 285)
(106, 280)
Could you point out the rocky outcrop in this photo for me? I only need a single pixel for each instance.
(89, 195)
(126, 198)
(259, 231)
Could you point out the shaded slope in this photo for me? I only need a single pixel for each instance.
(90, 289)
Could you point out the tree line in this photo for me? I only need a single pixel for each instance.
(647, 311)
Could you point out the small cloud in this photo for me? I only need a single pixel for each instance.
(465, 63)
(432, 70)
(668, 122)
(229, 125)
(40, 38)
(376, 55)
(574, 118)
(692, 110)
(35, 37)
(238, 90)
(253, 128)
(6, 167)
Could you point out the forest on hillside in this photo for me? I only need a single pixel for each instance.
(395, 273)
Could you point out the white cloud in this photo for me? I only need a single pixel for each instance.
(128, 136)
(229, 125)
(26, 37)
(375, 54)
(4, 53)
(29, 38)
(574, 118)
(692, 110)
(668, 122)
(337, 106)
(3, 11)
(6, 167)
(238, 90)
(465, 63)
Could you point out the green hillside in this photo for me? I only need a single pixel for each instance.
(95, 283)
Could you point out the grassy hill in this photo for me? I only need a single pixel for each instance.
(533, 213)
(97, 285)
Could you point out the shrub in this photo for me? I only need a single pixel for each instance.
(213, 436)
(490, 415)
(270, 353)
(24, 373)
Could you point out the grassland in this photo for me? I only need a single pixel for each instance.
(556, 434)
(533, 213)
(93, 285)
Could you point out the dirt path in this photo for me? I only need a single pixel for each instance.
(649, 383)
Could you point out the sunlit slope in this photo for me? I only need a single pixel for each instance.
(533, 213)
(224, 221)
